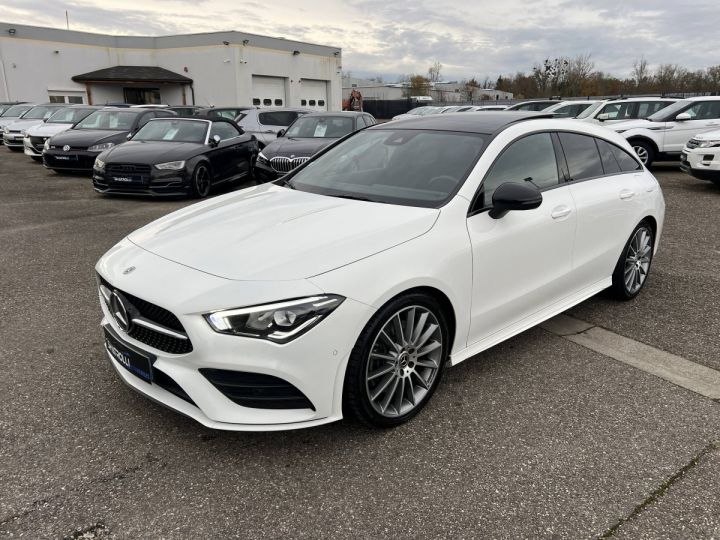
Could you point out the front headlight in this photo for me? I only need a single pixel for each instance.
(100, 147)
(262, 158)
(280, 322)
(709, 144)
(6, 130)
(99, 164)
(46, 146)
(171, 166)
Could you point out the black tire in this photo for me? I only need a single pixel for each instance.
(201, 181)
(356, 398)
(644, 151)
(716, 181)
(620, 287)
(37, 158)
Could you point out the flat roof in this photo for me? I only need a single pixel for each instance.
(469, 122)
(173, 41)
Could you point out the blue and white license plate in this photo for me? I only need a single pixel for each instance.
(135, 362)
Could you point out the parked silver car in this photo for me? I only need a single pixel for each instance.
(267, 122)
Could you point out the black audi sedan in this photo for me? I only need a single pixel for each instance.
(305, 137)
(177, 156)
(76, 149)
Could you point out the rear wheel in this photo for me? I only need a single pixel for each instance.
(644, 151)
(201, 181)
(633, 267)
(397, 362)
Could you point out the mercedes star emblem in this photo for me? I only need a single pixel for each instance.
(119, 311)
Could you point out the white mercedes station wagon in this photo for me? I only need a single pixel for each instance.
(347, 286)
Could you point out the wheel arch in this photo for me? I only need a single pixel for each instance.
(645, 139)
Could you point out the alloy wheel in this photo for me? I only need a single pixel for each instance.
(202, 181)
(404, 362)
(642, 153)
(637, 260)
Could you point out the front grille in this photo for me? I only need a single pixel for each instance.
(38, 143)
(159, 316)
(286, 164)
(164, 381)
(693, 143)
(127, 168)
(257, 390)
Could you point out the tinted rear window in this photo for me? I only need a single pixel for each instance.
(582, 156)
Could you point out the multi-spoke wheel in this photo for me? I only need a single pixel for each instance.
(644, 151)
(397, 362)
(201, 181)
(633, 266)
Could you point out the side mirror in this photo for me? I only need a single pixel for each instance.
(683, 116)
(602, 117)
(281, 133)
(214, 141)
(514, 196)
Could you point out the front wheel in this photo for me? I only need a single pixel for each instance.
(201, 181)
(633, 267)
(644, 151)
(397, 362)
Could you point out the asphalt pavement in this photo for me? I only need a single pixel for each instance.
(538, 437)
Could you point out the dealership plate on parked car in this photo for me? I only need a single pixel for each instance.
(136, 363)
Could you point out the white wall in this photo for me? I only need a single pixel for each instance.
(222, 74)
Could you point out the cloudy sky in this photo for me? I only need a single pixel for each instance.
(383, 37)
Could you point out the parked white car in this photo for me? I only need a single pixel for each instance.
(570, 108)
(663, 135)
(619, 110)
(489, 108)
(14, 132)
(61, 120)
(701, 157)
(267, 122)
(346, 286)
(11, 114)
(418, 111)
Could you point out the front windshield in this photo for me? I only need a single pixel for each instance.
(669, 112)
(17, 110)
(591, 109)
(68, 116)
(321, 127)
(396, 166)
(39, 113)
(115, 120)
(172, 130)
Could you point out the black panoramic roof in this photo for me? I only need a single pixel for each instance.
(470, 122)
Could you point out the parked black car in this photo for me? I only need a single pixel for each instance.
(177, 156)
(77, 148)
(306, 136)
(231, 113)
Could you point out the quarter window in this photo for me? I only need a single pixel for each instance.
(224, 130)
(582, 156)
(530, 159)
(626, 161)
(609, 162)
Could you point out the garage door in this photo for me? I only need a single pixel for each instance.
(268, 91)
(314, 94)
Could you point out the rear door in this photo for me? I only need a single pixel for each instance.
(606, 184)
(521, 261)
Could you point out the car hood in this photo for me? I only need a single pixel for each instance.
(86, 137)
(708, 136)
(147, 152)
(48, 130)
(635, 124)
(274, 233)
(21, 124)
(287, 146)
(4, 121)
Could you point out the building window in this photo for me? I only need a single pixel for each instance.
(312, 102)
(57, 97)
(321, 102)
(142, 96)
(256, 101)
(303, 102)
(267, 102)
(278, 102)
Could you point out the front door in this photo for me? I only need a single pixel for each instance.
(705, 116)
(532, 249)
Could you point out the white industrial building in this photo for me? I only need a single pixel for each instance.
(217, 68)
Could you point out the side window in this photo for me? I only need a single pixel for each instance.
(369, 121)
(224, 130)
(709, 110)
(360, 122)
(626, 161)
(609, 163)
(582, 156)
(530, 159)
(277, 118)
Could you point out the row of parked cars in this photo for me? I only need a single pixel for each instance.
(157, 151)
(657, 128)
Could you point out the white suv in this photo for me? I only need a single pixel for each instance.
(620, 110)
(701, 157)
(663, 135)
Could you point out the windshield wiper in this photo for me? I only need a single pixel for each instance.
(353, 198)
(284, 182)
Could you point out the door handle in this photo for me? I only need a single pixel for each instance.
(269, 131)
(560, 212)
(627, 194)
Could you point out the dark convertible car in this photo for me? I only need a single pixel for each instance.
(77, 148)
(305, 137)
(177, 156)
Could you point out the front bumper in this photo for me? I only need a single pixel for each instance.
(155, 184)
(13, 140)
(702, 163)
(265, 173)
(72, 160)
(30, 150)
(314, 363)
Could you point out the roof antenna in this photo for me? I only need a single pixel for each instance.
(67, 20)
